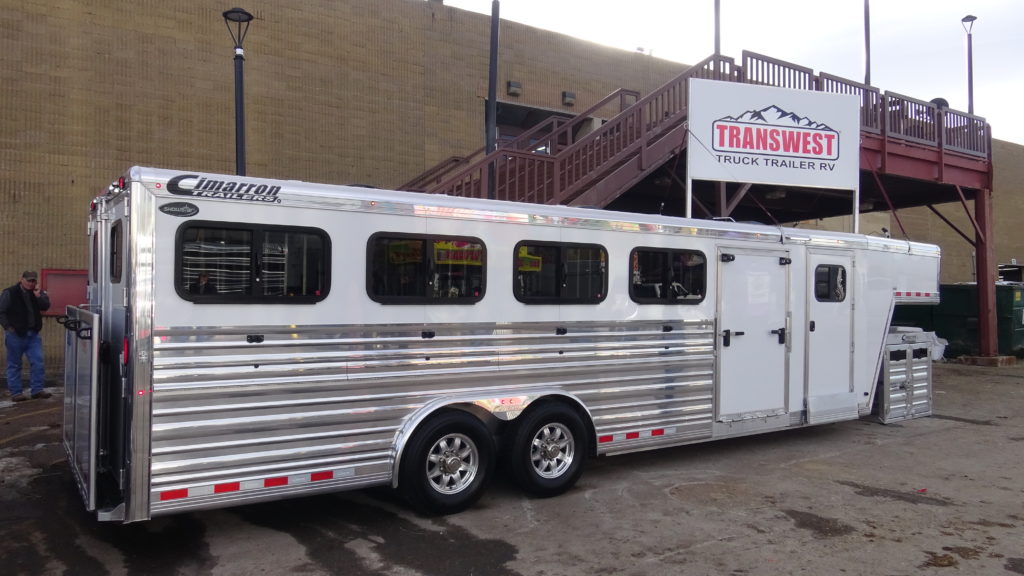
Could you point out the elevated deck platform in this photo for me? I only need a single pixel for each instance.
(913, 153)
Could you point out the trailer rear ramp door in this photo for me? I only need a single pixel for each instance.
(81, 387)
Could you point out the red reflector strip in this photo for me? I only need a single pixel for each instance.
(227, 487)
(174, 494)
(294, 481)
(635, 435)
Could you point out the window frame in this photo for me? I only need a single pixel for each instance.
(428, 299)
(831, 281)
(258, 231)
(560, 279)
(116, 252)
(643, 300)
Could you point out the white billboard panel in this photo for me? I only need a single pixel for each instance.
(767, 135)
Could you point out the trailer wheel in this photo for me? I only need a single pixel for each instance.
(447, 464)
(548, 448)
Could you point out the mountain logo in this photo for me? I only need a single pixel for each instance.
(773, 131)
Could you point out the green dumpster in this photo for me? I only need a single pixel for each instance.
(955, 318)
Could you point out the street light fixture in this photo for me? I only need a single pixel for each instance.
(968, 24)
(241, 19)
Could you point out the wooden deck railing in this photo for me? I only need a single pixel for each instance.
(905, 118)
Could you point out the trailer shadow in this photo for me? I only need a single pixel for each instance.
(367, 536)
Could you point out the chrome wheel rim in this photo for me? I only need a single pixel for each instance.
(452, 463)
(552, 450)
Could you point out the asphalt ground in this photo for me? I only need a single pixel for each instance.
(936, 495)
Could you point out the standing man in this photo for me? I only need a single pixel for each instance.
(20, 315)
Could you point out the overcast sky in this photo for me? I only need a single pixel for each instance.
(918, 47)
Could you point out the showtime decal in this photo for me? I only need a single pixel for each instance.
(778, 138)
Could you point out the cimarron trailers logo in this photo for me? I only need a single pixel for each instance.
(200, 187)
(773, 137)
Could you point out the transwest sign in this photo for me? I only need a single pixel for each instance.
(767, 135)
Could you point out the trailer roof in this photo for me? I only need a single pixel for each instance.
(297, 192)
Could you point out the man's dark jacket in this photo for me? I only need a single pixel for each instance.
(18, 314)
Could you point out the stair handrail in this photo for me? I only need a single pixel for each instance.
(716, 67)
(446, 165)
(559, 125)
(620, 93)
(663, 107)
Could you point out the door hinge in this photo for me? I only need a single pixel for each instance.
(785, 261)
(727, 257)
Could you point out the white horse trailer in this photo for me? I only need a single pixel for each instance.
(249, 339)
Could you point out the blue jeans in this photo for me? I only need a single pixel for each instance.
(31, 346)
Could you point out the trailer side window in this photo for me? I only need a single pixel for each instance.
(421, 269)
(94, 263)
(116, 251)
(829, 283)
(560, 273)
(660, 276)
(227, 263)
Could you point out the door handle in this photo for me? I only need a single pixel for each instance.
(728, 334)
(782, 334)
(812, 325)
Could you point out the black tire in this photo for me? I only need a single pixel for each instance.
(548, 446)
(447, 463)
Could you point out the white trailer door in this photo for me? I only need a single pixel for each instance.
(829, 385)
(752, 333)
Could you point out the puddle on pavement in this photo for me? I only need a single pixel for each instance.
(908, 497)
(821, 526)
(936, 560)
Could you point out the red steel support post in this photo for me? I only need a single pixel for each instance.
(988, 343)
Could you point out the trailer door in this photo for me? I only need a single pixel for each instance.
(81, 381)
(753, 334)
(829, 385)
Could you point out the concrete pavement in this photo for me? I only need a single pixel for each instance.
(938, 495)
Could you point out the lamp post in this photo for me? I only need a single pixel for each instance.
(867, 42)
(968, 23)
(241, 19)
(492, 96)
(718, 28)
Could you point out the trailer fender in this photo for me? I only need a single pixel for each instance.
(492, 409)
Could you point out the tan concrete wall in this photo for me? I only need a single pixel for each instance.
(360, 91)
(958, 264)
